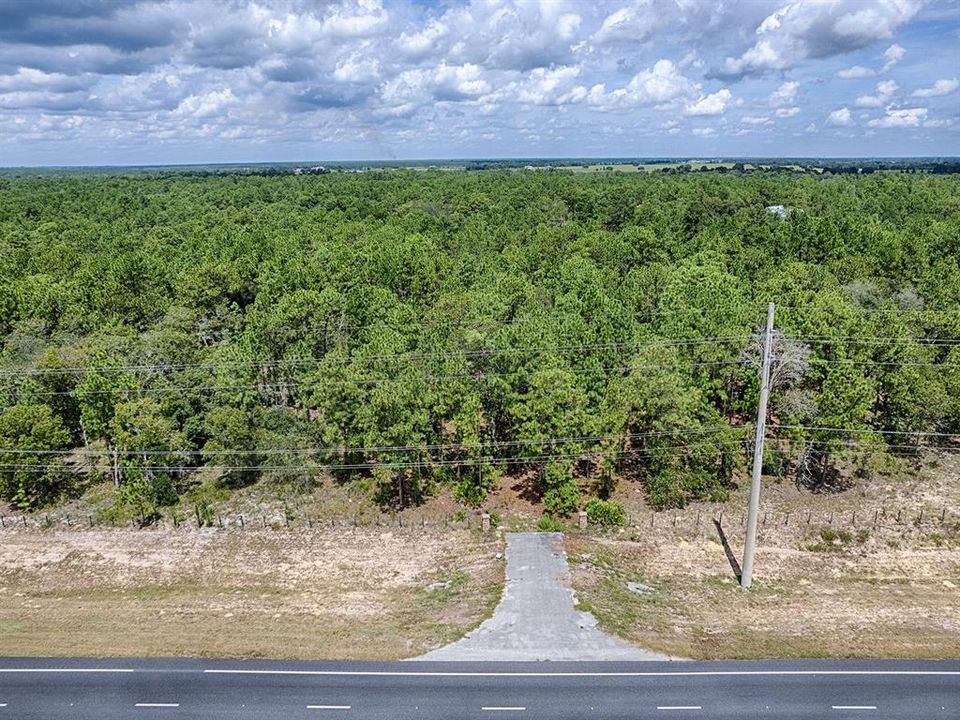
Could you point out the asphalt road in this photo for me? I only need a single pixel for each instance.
(80, 689)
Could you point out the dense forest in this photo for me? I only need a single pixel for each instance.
(405, 330)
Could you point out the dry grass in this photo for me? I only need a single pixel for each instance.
(360, 594)
(861, 588)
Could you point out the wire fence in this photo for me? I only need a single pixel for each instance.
(697, 520)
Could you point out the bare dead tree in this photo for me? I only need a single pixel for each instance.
(789, 361)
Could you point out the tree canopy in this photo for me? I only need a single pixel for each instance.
(407, 329)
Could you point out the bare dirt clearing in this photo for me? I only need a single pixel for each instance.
(804, 604)
(323, 594)
(837, 575)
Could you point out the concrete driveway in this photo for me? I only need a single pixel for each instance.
(536, 619)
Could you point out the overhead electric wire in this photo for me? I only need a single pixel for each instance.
(865, 340)
(813, 428)
(383, 448)
(333, 358)
(884, 363)
(479, 375)
(493, 460)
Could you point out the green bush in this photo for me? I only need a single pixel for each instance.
(548, 524)
(606, 512)
(561, 494)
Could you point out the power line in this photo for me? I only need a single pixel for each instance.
(491, 352)
(866, 311)
(467, 462)
(882, 363)
(334, 359)
(383, 448)
(478, 376)
(381, 379)
(866, 431)
(865, 340)
(879, 447)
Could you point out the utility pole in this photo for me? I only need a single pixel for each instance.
(746, 572)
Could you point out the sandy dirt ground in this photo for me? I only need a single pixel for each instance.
(321, 594)
(870, 572)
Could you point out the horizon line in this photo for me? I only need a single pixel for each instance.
(530, 158)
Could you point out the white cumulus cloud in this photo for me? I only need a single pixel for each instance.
(857, 71)
(940, 87)
(784, 95)
(713, 104)
(885, 91)
(662, 83)
(556, 86)
(805, 29)
(901, 118)
(840, 118)
(632, 23)
(892, 55)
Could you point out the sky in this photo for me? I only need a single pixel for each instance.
(102, 82)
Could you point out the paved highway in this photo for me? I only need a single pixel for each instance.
(81, 689)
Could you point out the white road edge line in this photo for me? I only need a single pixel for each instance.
(328, 707)
(492, 708)
(687, 673)
(66, 670)
(679, 707)
(158, 705)
(854, 707)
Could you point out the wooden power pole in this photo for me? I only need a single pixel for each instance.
(746, 572)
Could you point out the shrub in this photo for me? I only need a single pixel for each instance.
(561, 494)
(606, 512)
(548, 524)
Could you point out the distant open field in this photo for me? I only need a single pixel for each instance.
(364, 595)
(692, 164)
(643, 167)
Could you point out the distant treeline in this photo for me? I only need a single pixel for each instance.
(406, 329)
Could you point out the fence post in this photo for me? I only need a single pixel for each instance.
(582, 520)
(241, 521)
(485, 522)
